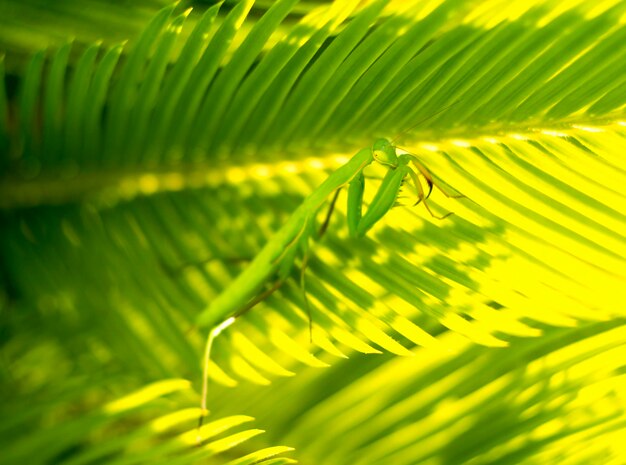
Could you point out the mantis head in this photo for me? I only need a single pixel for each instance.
(385, 153)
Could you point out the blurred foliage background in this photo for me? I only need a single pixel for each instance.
(148, 150)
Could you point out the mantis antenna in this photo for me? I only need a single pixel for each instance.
(423, 120)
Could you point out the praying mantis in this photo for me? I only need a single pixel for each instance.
(276, 260)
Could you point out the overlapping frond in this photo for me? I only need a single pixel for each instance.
(139, 427)
(138, 179)
(554, 399)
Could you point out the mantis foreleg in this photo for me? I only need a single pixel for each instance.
(355, 203)
(421, 197)
(431, 180)
(383, 201)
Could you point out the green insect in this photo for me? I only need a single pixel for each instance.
(275, 261)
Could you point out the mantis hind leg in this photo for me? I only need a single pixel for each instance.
(215, 331)
(307, 304)
(284, 262)
(306, 255)
(329, 213)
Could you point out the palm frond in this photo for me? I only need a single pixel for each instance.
(551, 402)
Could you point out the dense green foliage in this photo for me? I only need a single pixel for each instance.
(136, 178)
